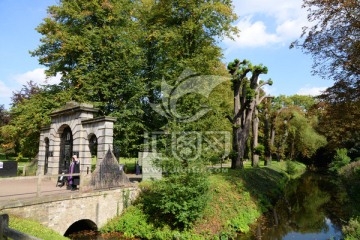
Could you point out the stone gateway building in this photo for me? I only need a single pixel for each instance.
(74, 131)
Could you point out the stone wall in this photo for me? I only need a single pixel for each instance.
(60, 212)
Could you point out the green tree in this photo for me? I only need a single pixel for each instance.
(115, 53)
(333, 39)
(293, 127)
(340, 160)
(339, 118)
(29, 115)
(303, 138)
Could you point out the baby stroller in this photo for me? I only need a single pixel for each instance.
(62, 180)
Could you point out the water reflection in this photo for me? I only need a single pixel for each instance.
(309, 209)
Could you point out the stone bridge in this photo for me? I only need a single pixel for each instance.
(76, 210)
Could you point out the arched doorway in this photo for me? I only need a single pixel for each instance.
(66, 150)
(46, 156)
(93, 146)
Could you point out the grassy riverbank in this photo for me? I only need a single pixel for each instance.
(350, 178)
(34, 228)
(236, 199)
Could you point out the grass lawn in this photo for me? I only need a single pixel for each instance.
(128, 162)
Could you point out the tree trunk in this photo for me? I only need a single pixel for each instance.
(236, 162)
(255, 124)
(267, 138)
(243, 135)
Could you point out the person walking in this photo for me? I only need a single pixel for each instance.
(74, 181)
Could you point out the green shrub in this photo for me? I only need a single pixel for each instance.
(133, 223)
(290, 167)
(352, 229)
(259, 150)
(340, 159)
(178, 199)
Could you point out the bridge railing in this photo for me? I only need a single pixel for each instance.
(41, 185)
(37, 186)
(6, 232)
(40, 177)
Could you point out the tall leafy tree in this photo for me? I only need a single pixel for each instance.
(294, 126)
(333, 40)
(4, 119)
(29, 114)
(339, 118)
(334, 43)
(115, 53)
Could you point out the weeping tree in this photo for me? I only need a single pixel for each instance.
(247, 97)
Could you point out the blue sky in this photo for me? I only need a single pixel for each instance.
(267, 29)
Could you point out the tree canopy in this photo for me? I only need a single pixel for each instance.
(333, 40)
(116, 54)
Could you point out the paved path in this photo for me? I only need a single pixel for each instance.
(26, 187)
(16, 188)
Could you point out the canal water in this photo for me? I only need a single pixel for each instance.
(312, 207)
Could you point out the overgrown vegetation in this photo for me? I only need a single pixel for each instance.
(352, 229)
(340, 160)
(235, 199)
(349, 173)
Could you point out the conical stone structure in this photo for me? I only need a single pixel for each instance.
(108, 174)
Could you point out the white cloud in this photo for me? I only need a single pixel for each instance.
(290, 29)
(312, 91)
(287, 16)
(281, 10)
(5, 95)
(5, 91)
(252, 34)
(37, 76)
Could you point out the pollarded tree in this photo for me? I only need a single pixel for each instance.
(246, 98)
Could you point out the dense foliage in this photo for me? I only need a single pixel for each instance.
(114, 53)
(117, 55)
(29, 114)
(333, 39)
(178, 200)
(236, 198)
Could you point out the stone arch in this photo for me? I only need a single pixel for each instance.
(93, 145)
(81, 225)
(79, 118)
(65, 134)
